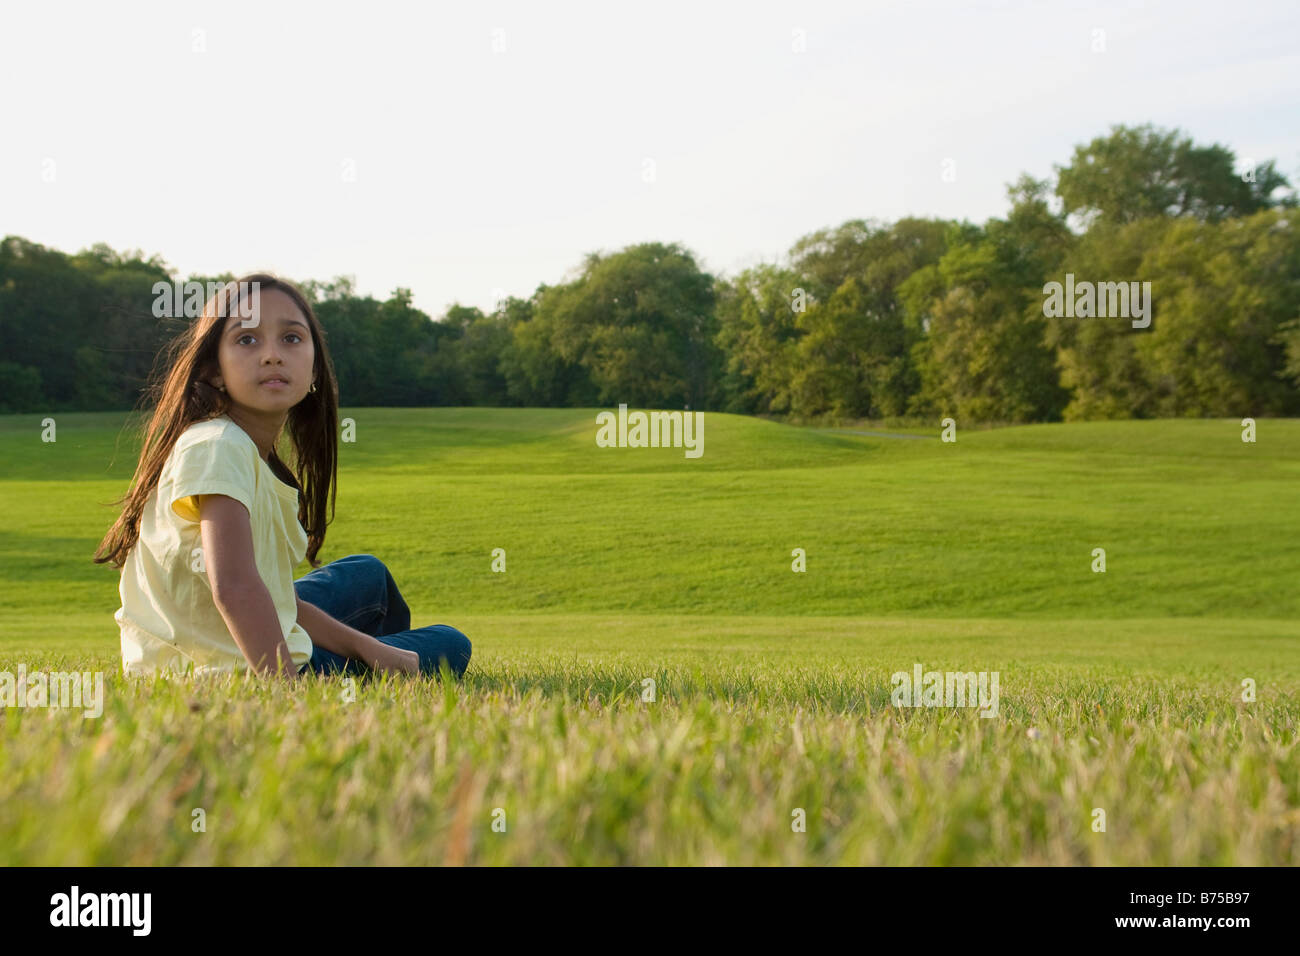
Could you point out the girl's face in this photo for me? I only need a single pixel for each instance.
(279, 347)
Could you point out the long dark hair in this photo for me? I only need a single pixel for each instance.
(182, 396)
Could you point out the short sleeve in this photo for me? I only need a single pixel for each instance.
(217, 464)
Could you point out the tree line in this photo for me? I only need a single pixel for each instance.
(918, 317)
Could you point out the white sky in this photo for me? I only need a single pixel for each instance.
(478, 171)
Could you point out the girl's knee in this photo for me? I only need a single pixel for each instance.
(368, 561)
(454, 647)
(379, 580)
(462, 649)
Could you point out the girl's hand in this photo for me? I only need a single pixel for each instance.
(386, 659)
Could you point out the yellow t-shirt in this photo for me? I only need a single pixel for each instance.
(168, 619)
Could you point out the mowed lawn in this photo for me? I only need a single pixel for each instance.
(771, 737)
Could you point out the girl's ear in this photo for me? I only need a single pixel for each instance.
(212, 375)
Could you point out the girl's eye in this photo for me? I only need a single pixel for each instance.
(248, 335)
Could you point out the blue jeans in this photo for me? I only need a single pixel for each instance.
(359, 591)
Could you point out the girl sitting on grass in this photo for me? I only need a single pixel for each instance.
(213, 525)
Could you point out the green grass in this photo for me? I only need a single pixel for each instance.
(1120, 691)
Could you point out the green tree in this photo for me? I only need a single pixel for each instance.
(641, 324)
(854, 358)
(1139, 172)
(535, 371)
(984, 354)
(472, 355)
(984, 357)
(1223, 293)
(20, 388)
(757, 333)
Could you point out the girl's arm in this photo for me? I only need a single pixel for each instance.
(334, 635)
(238, 590)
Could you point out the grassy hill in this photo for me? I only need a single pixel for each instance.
(999, 524)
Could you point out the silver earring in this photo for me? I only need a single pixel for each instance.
(313, 386)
